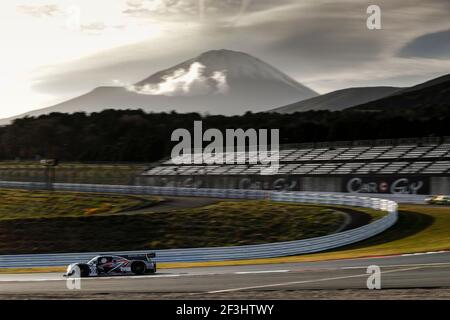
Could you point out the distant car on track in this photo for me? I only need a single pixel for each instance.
(442, 200)
(114, 265)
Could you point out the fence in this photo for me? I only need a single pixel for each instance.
(269, 250)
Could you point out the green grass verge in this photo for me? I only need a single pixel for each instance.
(33, 204)
(221, 224)
(419, 229)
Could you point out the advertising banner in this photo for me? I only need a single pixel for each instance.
(390, 184)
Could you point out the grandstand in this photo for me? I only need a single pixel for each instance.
(404, 158)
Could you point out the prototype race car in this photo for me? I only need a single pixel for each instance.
(114, 265)
(444, 200)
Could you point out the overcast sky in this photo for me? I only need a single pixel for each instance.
(55, 50)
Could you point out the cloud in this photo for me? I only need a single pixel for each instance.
(166, 8)
(49, 10)
(134, 3)
(320, 43)
(432, 45)
(98, 27)
(204, 10)
(309, 36)
(186, 82)
(94, 26)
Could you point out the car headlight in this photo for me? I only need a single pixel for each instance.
(70, 270)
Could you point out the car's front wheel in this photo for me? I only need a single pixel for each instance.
(138, 267)
(84, 270)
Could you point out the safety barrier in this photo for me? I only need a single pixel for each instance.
(269, 250)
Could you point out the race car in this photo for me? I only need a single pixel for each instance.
(444, 200)
(114, 265)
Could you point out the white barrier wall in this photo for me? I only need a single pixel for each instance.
(222, 253)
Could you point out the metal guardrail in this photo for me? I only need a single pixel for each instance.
(269, 250)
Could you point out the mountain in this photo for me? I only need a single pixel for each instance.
(429, 83)
(364, 96)
(339, 100)
(217, 82)
(429, 99)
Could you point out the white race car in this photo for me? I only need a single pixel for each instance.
(113, 265)
(441, 200)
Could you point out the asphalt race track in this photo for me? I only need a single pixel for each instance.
(422, 275)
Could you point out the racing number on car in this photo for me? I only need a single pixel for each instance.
(74, 281)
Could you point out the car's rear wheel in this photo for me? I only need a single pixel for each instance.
(138, 267)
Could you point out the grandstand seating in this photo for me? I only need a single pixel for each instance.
(401, 158)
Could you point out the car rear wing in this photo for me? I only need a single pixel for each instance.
(143, 256)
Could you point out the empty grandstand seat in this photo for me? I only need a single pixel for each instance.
(285, 155)
(325, 168)
(373, 167)
(288, 168)
(438, 167)
(393, 167)
(331, 154)
(312, 154)
(440, 151)
(296, 155)
(373, 153)
(415, 167)
(396, 152)
(351, 153)
(417, 152)
(348, 168)
(305, 168)
(429, 157)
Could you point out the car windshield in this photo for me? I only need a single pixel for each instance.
(93, 260)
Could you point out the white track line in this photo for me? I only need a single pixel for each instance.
(157, 276)
(436, 264)
(422, 253)
(304, 281)
(259, 272)
(12, 279)
(91, 278)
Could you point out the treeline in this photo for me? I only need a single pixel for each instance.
(133, 135)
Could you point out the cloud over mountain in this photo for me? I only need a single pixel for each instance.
(191, 81)
(434, 45)
(216, 82)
